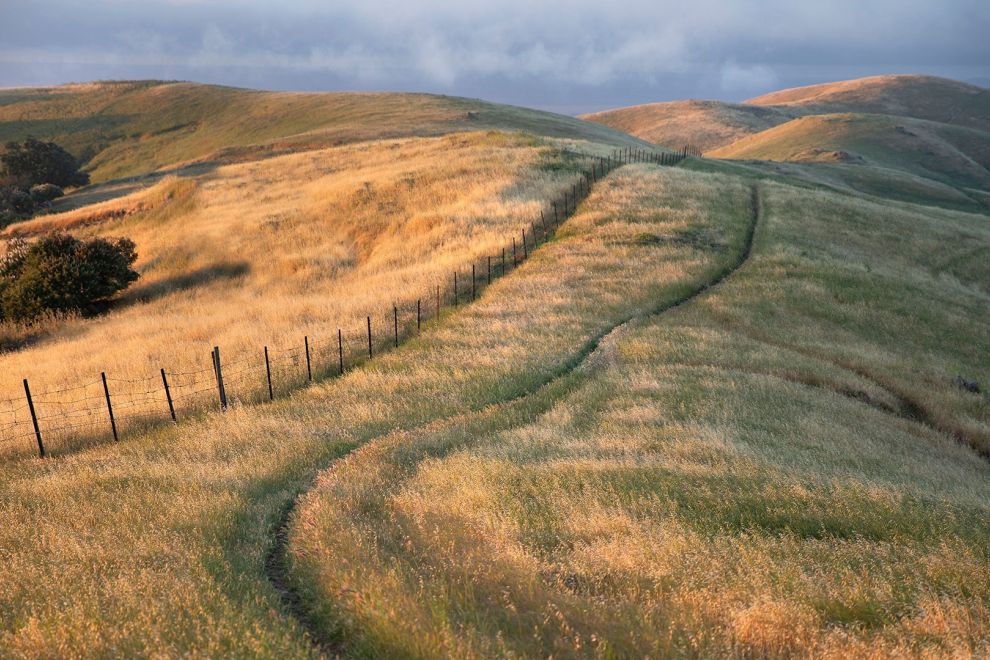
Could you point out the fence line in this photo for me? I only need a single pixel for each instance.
(106, 407)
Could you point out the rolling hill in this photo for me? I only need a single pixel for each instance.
(916, 138)
(723, 412)
(121, 129)
(948, 154)
(921, 97)
(704, 124)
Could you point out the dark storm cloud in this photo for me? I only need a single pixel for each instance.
(572, 55)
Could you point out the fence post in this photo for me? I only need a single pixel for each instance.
(106, 393)
(474, 288)
(34, 420)
(309, 366)
(525, 251)
(514, 262)
(488, 274)
(419, 315)
(438, 302)
(268, 375)
(455, 288)
(219, 373)
(340, 352)
(168, 395)
(369, 338)
(395, 322)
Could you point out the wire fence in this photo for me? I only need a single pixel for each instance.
(107, 407)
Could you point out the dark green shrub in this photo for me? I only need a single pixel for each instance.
(41, 162)
(60, 273)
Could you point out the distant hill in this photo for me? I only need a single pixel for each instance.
(704, 124)
(945, 153)
(126, 128)
(921, 97)
(902, 131)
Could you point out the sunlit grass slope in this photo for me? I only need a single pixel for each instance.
(779, 467)
(704, 124)
(157, 545)
(267, 252)
(943, 153)
(128, 128)
(921, 97)
(913, 138)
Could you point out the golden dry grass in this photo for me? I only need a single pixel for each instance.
(704, 124)
(157, 545)
(268, 252)
(737, 477)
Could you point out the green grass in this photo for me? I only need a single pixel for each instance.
(738, 476)
(129, 128)
(946, 154)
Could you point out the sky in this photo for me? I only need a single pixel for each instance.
(568, 56)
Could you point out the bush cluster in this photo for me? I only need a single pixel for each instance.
(33, 174)
(60, 273)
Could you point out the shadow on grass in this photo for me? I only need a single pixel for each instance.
(192, 279)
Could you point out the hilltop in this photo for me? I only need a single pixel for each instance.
(916, 138)
(921, 97)
(704, 124)
(126, 128)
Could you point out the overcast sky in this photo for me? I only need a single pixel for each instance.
(570, 56)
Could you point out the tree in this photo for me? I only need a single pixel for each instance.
(37, 162)
(61, 273)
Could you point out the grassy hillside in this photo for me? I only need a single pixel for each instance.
(128, 128)
(921, 97)
(912, 138)
(705, 124)
(267, 252)
(717, 415)
(948, 154)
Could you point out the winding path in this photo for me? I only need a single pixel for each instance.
(276, 561)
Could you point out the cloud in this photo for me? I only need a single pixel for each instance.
(736, 78)
(637, 49)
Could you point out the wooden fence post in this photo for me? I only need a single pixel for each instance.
(503, 261)
(369, 338)
(474, 288)
(455, 288)
(34, 420)
(525, 251)
(514, 261)
(395, 322)
(309, 366)
(106, 393)
(340, 351)
(488, 273)
(219, 373)
(268, 375)
(168, 395)
(419, 315)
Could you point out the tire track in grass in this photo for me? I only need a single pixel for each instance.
(276, 566)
